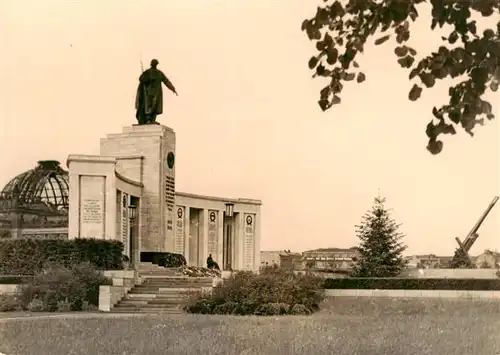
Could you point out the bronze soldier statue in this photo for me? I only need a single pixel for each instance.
(149, 99)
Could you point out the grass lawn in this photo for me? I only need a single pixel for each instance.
(345, 326)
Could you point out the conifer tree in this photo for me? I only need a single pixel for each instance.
(381, 248)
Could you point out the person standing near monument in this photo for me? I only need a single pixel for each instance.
(149, 99)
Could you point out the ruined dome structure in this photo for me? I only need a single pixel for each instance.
(44, 188)
(36, 199)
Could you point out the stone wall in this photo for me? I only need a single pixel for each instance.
(450, 273)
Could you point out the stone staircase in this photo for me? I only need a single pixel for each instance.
(161, 291)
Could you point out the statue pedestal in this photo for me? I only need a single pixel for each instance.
(146, 154)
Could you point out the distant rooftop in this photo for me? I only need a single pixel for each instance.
(331, 250)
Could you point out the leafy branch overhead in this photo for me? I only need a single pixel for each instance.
(341, 30)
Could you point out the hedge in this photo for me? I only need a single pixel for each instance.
(164, 259)
(28, 256)
(14, 279)
(412, 284)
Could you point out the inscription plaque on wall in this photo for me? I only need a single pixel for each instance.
(179, 231)
(92, 206)
(124, 214)
(92, 211)
(170, 192)
(212, 233)
(249, 241)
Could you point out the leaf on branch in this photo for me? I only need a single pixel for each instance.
(320, 45)
(427, 79)
(361, 77)
(324, 104)
(453, 37)
(320, 70)
(455, 116)
(414, 73)
(401, 51)
(313, 62)
(328, 40)
(305, 24)
(434, 146)
(355, 64)
(494, 85)
(406, 62)
(332, 55)
(325, 92)
(486, 107)
(336, 100)
(415, 92)
(349, 76)
(381, 40)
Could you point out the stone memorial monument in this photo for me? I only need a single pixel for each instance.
(128, 193)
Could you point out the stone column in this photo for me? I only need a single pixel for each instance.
(203, 237)
(156, 144)
(239, 236)
(187, 233)
(220, 238)
(256, 257)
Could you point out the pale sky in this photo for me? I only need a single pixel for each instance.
(246, 118)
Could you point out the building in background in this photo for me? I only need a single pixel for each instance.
(34, 204)
(488, 260)
(330, 258)
(290, 260)
(270, 257)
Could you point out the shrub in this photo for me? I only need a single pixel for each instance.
(226, 308)
(273, 309)
(199, 302)
(87, 307)
(273, 291)
(64, 306)
(28, 256)
(56, 284)
(9, 303)
(299, 309)
(164, 259)
(14, 279)
(412, 284)
(36, 305)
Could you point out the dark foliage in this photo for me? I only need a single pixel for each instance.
(14, 279)
(273, 291)
(341, 30)
(461, 260)
(28, 256)
(76, 285)
(412, 284)
(164, 259)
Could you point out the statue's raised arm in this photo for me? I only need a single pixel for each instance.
(149, 99)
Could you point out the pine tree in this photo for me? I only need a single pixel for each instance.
(381, 249)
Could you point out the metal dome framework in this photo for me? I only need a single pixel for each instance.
(45, 187)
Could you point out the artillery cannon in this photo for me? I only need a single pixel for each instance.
(461, 257)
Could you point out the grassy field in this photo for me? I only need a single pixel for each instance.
(344, 326)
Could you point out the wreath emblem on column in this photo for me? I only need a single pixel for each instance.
(249, 220)
(179, 212)
(212, 216)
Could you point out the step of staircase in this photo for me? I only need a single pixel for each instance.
(156, 289)
(147, 302)
(161, 293)
(153, 310)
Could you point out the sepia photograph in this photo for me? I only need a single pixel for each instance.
(249, 177)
